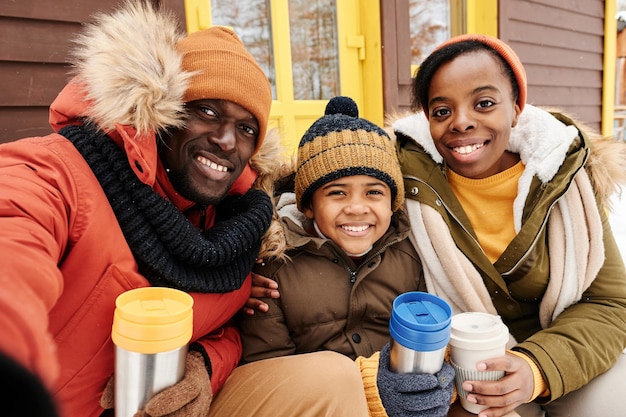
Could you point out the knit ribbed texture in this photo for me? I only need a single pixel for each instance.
(341, 144)
(540, 386)
(168, 249)
(225, 70)
(369, 372)
(506, 52)
(405, 395)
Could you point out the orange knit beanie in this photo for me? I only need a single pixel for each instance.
(225, 70)
(505, 52)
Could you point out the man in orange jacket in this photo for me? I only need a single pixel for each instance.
(148, 181)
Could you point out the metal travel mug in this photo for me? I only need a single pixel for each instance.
(420, 331)
(151, 329)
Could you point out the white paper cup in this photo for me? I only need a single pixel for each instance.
(475, 337)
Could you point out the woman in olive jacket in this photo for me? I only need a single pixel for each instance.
(556, 276)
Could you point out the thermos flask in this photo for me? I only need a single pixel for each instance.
(420, 331)
(152, 327)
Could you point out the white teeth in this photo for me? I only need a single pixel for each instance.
(211, 164)
(464, 150)
(355, 228)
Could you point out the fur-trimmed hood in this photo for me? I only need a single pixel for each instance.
(274, 243)
(129, 71)
(542, 141)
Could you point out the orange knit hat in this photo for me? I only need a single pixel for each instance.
(225, 70)
(505, 52)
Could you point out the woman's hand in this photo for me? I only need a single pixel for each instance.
(262, 287)
(504, 395)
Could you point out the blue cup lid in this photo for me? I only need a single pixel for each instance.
(420, 321)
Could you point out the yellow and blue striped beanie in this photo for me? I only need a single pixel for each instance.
(340, 144)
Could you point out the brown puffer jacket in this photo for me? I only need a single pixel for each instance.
(356, 300)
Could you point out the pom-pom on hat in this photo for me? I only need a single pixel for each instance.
(505, 51)
(225, 70)
(340, 144)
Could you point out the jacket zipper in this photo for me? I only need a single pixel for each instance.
(353, 274)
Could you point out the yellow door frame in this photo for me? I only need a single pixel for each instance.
(481, 16)
(360, 54)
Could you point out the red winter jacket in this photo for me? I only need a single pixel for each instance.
(64, 260)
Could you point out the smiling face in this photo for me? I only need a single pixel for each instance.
(207, 156)
(354, 212)
(472, 110)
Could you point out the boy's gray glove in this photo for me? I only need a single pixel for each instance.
(423, 395)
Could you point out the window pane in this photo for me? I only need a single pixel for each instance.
(430, 26)
(251, 22)
(314, 53)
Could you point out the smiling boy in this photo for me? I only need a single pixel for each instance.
(347, 257)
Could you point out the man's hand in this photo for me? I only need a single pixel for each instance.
(504, 395)
(262, 287)
(191, 397)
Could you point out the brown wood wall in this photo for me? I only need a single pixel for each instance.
(620, 75)
(34, 44)
(561, 44)
(396, 55)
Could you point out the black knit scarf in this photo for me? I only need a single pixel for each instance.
(169, 250)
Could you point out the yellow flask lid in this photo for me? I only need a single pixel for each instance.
(152, 320)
